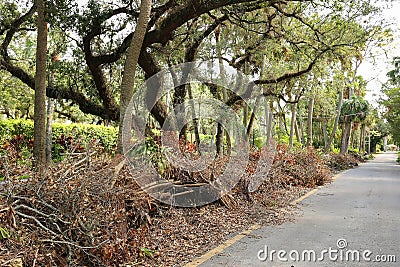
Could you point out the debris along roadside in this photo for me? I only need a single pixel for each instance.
(90, 211)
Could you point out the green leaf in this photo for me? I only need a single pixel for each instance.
(4, 233)
(147, 252)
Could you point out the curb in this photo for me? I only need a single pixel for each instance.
(208, 255)
(222, 247)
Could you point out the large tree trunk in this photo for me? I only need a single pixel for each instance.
(301, 130)
(297, 131)
(362, 139)
(39, 145)
(347, 126)
(325, 133)
(310, 121)
(346, 133)
(219, 142)
(352, 137)
(266, 121)
(269, 117)
(281, 122)
(292, 125)
(194, 120)
(128, 79)
(50, 114)
(336, 124)
(385, 143)
(49, 128)
(250, 125)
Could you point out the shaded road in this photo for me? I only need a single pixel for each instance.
(362, 208)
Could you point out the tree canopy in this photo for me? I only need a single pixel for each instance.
(293, 50)
(296, 37)
(391, 100)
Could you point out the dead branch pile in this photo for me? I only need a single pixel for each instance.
(339, 162)
(88, 211)
(76, 214)
(303, 167)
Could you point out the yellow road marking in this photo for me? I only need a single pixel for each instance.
(222, 247)
(312, 192)
(294, 202)
(340, 174)
(236, 238)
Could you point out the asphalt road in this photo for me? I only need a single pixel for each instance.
(357, 215)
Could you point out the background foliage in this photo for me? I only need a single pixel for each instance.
(67, 138)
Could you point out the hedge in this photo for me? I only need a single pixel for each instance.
(77, 133)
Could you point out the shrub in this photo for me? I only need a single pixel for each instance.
(66, 137)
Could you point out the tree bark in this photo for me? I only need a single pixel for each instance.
(39, 145)
(310, 121)
(336, 124)
(325, 133)
(50, 114)
(128, 79)
(352, 137)
(362, 139)
(270, 120)
(49, 129)
(292, 125)
(195, 121)
(301, 130)
(219, 142)
(297, 131)
(346, 133)
(250, 124)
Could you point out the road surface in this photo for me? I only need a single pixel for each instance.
(355, 221)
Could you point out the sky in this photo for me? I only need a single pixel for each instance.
(376, 73)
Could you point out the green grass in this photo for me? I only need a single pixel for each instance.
(398, 157)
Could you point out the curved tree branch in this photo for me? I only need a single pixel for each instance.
(14, 27)
(62, 93)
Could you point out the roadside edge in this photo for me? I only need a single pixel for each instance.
(208, 255)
